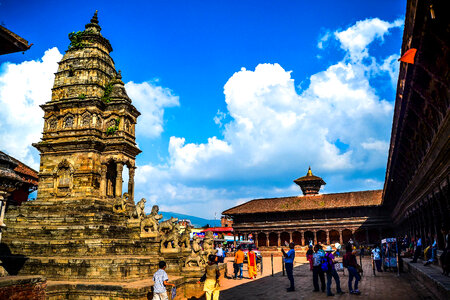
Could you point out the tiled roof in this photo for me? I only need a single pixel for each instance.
(25, 172)
(310, 202)
(11, 42)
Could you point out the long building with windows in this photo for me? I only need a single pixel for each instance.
(324, 218)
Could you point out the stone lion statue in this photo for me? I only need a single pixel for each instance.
(185, 239)
(138, 212)
(167, 225)
(171, 238)
(151, 222)
(119, 204)
(195, 258)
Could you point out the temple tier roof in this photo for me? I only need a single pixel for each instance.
(310, 184)
(313, 202)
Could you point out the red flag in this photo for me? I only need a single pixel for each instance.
(409, 55)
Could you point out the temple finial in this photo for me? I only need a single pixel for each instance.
(95, 18)
(309, 172)
(93, 25)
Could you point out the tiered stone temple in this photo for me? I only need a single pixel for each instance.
(81, 228)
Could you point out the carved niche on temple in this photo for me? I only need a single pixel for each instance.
(63, 178)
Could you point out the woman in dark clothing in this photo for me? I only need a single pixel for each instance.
(350, 263)
(309, 257)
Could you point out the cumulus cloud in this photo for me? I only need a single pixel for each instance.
(338, 124)
(150, 100)
(23, 87)
(355, 39)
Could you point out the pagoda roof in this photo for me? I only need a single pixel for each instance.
(309, 202)
(11, 42)
(309, 177)
(26, 173)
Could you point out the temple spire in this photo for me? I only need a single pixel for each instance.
(93, 25)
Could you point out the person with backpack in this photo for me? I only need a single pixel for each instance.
(317, 269)
(328, 267)
(349, 262)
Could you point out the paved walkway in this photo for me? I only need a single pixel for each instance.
(382, 286)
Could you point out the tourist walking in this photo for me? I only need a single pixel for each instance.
(220, 253)
(349, 262)
(377, 258)
(289, 265)
(211, 278)
(251, 262)
(317, 269)
(239, 261)
(161, 280)
(328, 266)
(418, 250)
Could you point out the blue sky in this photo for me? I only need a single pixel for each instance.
(237, 97)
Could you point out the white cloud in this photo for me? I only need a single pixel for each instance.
(23, 87)
(275, 132)
(355, 39)
(150, 100)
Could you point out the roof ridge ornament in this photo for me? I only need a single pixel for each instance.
(93, 25)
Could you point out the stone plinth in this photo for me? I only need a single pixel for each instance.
(23, 287)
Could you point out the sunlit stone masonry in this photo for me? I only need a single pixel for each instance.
(83, 233)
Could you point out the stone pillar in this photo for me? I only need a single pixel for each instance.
(315, 237)
(131, 172)
(303, 237)
(341, 239)
(267, 239)
(234, 240)
(290, 237)
(103, 180)
(3, 200)
(328, 237)
(255, 237)
(279, 239)
(119, 179)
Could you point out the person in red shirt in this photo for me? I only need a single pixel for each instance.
(349, 262)
(251, 263)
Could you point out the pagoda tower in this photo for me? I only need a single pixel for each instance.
(89, 125)
(310, 184)
(73, 231)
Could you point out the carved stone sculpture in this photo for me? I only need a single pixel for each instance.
(185, 239)
(138, 212)
(208, 245)
(167, 225)
(195, 258)
(151, 222)
(119, 205)
(170, 234)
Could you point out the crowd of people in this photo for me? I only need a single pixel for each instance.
(322, 264)
(427, 248)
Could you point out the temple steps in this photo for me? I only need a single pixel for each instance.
(126, 268)
(72, 247)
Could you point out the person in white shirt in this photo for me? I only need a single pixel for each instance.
(377, 258)
(219, 254)
(161, 279)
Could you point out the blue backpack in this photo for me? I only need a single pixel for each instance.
(325, 265)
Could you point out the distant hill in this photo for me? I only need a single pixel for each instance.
(196, 221)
